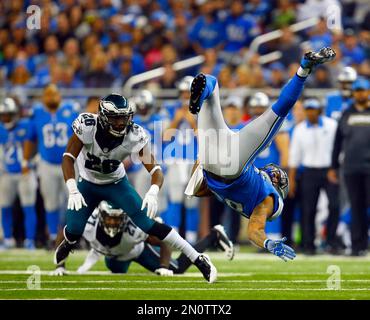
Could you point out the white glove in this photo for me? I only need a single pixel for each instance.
(60, 271)
(75, 198)
(151, 201)
(164, 272)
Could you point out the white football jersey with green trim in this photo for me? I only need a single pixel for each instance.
(98, 164)
(130, 246)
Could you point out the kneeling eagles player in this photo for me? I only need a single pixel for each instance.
(99, 144)
(111, 233)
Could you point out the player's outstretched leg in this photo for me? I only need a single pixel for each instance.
(256, 135)
(201, 88)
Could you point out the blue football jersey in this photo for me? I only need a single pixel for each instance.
(11, 141)
(336, 104)
(52, 131)
(244, 193)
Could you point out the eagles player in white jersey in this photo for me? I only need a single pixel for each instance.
(99, 144)
(111, 233)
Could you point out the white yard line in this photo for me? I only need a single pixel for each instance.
(20, 255)
(182, 289)
(185, 275)
(58, 280)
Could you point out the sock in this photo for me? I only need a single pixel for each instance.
(7, 221)
(177, 242)
(52, 221)
(289, 96)
(303, 73)
(30, 222)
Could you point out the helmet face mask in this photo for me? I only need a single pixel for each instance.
(115, 114)
(278, 178)
(111, 220)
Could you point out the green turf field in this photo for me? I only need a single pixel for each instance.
(248, 276)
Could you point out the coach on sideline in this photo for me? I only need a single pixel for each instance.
(311, 147)
(353, 140)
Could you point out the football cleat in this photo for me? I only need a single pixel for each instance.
(206, 267)
(62, 251)
(312, 59)
(201, 88)
(223, 242)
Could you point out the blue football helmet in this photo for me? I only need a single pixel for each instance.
(278, 177)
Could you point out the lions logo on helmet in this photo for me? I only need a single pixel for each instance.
(111, 220)
(278, 177)
(115, 114)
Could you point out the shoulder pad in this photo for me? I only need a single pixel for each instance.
(137, 138)
(83, 126)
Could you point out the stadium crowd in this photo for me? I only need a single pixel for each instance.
(101, 44)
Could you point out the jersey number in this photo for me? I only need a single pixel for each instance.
(55, 135)
(106, 166)
(88, 119)
(13, 153)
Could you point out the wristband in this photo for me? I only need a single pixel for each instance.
(154, 170)
(67, 154)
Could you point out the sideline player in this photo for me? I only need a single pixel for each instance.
(49, 131)
(226, 169)
(112, 233)
(13, 133)
(99, 144)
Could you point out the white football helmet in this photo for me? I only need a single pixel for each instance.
(9, 112)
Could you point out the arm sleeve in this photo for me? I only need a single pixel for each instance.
(91, 259)
(337, 147)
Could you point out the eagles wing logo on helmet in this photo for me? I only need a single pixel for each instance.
(110, 219)
(115, 114)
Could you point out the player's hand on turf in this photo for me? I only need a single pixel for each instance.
(75, 198)
(164, 272)
(278, 248)
(151, 201)
(59, 271)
